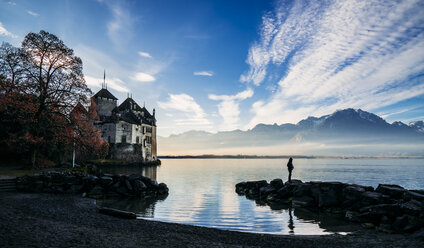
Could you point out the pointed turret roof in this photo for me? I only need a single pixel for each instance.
(105, 93)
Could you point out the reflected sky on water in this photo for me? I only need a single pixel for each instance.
(202, 191)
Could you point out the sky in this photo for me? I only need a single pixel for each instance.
(222, 65)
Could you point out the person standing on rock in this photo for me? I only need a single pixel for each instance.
(290, 167)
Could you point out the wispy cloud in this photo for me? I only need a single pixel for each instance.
(192, 114)
(203, 73)
(5, 32)
(337, 54)
(11, 3)
(113, 83)
(32, 13)
(228, 108)
(143, 77)
(144, 54)
(119, 28)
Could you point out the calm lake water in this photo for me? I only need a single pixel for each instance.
(202, 191)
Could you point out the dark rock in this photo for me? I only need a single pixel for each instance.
(330, 194)
(128, 185)
(409, 195)
(387, 228)
(163, 189)
(284, 192)
(105, 181)
(303, 201)
(413, 224)
(373, 198)
(96, 192)
(392, 190)
(382, 210)
(419, 234)
(368, 225)
(400, 223)
(133, 177)
(256, 184)
(353, 192)
(277, 183)
(241, 188)
(351, 204)
(265, 191)
(139, 187)
(360, 217)
(385, 220)
(412, 207)
(302, 190)
(293, 182)
(328, 198)
(122, 190)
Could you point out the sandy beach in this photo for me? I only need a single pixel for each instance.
(47, 220)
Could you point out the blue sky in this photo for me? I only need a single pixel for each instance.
(223, 65)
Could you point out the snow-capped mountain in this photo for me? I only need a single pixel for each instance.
(348, 126)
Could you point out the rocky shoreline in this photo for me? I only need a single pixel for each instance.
(92, 186)
(388, 208)
(68, 220)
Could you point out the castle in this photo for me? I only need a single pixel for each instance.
(129, 128)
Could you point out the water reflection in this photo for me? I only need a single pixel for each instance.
(291, 224)
(143, 207)
(147, 171)
(202, 192)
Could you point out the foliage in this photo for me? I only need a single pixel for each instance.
(42, 92)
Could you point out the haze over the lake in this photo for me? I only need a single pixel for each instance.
(225, 65)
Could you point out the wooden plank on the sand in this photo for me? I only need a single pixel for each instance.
(117, 213)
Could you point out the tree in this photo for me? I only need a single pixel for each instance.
(11, 68)
(44, 80)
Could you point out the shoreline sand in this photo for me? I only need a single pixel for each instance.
(48, 220)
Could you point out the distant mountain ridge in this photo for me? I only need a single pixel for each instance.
(348, 126)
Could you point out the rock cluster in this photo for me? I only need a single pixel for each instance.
(389, 208)
(91, 185)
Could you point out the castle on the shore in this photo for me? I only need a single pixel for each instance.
(129, 128)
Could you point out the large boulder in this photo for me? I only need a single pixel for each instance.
(139, 187)
(412, 207)
(303, 201)
(373, 198)
(284, 192)
(106, 181)
(241, 188)
(392, 190)
(266, 190)
(277, 183)
(303, 189)
(328, 194)
(409, 195)
(391, 210)
(163, 189)
(400, 223)
(128, 185)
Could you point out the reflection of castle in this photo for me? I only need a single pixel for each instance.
(129, 128)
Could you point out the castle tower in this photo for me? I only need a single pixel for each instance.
(105, 102)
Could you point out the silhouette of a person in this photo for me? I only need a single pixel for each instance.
(290, 167)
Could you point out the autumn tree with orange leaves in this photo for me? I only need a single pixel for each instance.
(42, 94)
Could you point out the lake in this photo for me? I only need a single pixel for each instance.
(202, 191)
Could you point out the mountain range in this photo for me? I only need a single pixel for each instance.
(345, 132)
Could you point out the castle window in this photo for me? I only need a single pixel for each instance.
(124, 139)
(137, 140)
